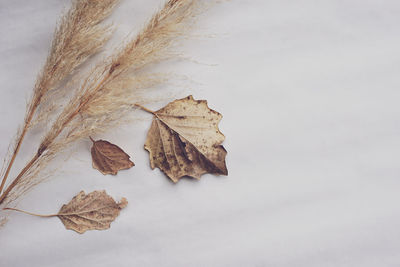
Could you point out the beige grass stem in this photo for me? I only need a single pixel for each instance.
(77, 37)
(41, 149)
(112, 87)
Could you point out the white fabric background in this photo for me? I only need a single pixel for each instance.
(309, 91)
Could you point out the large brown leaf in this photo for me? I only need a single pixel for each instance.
(94, 211)
(184, 140)
(109, 158)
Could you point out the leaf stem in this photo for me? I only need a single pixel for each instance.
(145, 109)
(33, 214)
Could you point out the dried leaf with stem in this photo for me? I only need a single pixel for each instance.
(104, 96)
(78, 36)
(184, 140)
(94, 211)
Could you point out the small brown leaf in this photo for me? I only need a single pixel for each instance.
(94, 211)
(109, 158)
(184, 140)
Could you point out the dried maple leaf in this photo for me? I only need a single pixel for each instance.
(109, 158)
(184, 140)
(94, 211)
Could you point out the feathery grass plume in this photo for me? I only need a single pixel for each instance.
(104, 96)
(78, 36)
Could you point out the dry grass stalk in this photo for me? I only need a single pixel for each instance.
(79, 35)
(104, 96)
